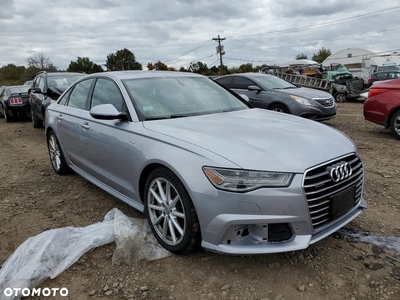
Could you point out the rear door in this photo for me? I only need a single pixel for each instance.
(70, 117)
(105, 142)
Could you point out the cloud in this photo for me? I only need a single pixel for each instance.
(160, 30)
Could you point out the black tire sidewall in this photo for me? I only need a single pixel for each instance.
(396, 114)
(281, 106)
(189, 234)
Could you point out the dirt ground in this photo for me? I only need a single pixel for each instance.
(33, 199)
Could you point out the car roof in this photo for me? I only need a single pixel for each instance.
(64, 73)
(15, 86)
(250, 75)
(121, 75)
(388, 71)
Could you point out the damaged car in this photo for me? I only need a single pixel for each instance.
(206, 167)
(46, 88)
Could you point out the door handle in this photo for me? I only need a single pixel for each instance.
(85, 126)
(60, 117)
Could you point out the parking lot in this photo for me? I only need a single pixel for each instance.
(34, 199)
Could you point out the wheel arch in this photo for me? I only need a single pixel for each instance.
(390, 116)
(278, 103)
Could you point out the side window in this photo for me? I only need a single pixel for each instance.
(107, 92)
(63, 100)
(242, 83)
(79, 94)
(41, 83)
(226, 81)
(381, 75)
(36, 83)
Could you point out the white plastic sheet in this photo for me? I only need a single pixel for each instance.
(49, 253)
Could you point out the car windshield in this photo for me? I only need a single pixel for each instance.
(170, 97)
(273, 82)
(19, 89)
(63, 81)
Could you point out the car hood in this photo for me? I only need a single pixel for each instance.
(306, 93)
(259, 139)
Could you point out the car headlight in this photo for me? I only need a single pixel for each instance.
(301, 100)
(235, 180)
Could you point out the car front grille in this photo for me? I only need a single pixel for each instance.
(324, 101)
(319, 188)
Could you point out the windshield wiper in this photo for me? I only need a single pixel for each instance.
(290, 87)
(164, 117)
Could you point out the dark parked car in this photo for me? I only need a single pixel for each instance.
(14, 102)
(379, 76)
(270, 92)
(383, 105)
(46, 88)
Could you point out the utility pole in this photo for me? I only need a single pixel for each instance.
(220, 51)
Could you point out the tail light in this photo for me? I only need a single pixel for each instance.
(369, 80)
(14, 101)
(374, 92)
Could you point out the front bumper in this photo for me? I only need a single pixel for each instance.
(260, 209)
(317, 113)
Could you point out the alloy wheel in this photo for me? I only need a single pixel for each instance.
(278, 109)
(396, 124)
(55, 155)
(166, 211)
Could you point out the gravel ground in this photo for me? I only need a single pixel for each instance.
(33, 199)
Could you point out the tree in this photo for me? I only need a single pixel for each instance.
(122, 60)
(245, 68)
(198, 67)
(160, 66)
(183, 69)
(301, 56)
(321, 55)
(12, 75)
(84, 64)
(39, 62)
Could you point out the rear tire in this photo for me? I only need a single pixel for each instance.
(56, 155)
(35, 121)
(395, 124)
(171, 215)
(1, 111)
(7, 117)
(279, 108)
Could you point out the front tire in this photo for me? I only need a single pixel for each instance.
(340, 97)
(395, 124)
(171, 213)
(279, 108)
(56, 155)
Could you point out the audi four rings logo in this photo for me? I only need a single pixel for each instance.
(340, 171)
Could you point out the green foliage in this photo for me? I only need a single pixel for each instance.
(160, 66)
(321, 55)
(12, 75)
(84, 64)
(122, 60)
(301, 56)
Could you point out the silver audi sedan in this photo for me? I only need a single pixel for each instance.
(205, 167)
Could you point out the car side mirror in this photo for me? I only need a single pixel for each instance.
(37, 90)
(254, 88)
(244, 97)
(107, 112)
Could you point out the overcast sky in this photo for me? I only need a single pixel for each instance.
(257, 31)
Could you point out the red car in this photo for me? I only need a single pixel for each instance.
(383, 105)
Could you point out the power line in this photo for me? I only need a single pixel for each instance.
(214, 62)
(187, 52)
(363, 55)
(323, 41)
(324, 24)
